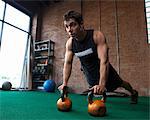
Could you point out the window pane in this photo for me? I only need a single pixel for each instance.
(148, 25)
(149, 31)
(17, 18)
(147, 14)
(12, 55)
(0, 28)
(148, 9)
(148, 20)
(147, 5)
(2, 4)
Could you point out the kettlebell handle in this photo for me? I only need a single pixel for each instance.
(64, 93)
(90, 96)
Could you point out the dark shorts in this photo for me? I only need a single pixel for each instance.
(114, 81)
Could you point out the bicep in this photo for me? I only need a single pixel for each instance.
(68, 54)
(102, 48)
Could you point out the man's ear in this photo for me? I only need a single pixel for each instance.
(81, 25)
(65, 29)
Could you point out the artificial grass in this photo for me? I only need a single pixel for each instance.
(40, 105)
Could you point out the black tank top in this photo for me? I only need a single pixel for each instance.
(86, 51)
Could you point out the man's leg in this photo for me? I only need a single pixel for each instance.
(115, 81)
(134, 93)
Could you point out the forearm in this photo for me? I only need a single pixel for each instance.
(103, 73)
(66, 72)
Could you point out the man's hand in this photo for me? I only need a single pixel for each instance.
(98, 89)
(61, 87)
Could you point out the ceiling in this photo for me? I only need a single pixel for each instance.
(32, 5)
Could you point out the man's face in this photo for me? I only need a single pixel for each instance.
(72, 28)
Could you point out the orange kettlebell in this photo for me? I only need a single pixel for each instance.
(64, 103)
(96, 107)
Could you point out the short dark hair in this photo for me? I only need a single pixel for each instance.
(73, 15)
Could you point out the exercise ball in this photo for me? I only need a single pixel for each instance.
(49, 85)
(6, 85)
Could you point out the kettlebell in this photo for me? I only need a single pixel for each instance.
(96, 107)
(64, 103)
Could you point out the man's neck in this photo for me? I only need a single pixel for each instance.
(82, 36)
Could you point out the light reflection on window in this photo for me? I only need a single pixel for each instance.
(17, 18)
(13, 44)
(12, 53)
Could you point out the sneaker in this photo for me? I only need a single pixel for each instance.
(134, 97)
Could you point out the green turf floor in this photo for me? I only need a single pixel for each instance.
(38, 105)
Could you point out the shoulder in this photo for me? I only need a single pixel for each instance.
(69, 43)
(99, 37)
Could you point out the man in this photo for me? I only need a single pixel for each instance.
(92, 50)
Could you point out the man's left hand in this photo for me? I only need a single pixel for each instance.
(98, 89)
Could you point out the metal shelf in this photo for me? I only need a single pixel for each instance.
(43, 61)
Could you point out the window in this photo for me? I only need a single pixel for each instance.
(2, 5)
(1, 9)
(147, 6)
(14, 36)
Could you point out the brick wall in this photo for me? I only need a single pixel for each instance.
(123, 24)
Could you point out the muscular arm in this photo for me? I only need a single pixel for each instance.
(67, 63)
(103, 55)
(102, 50)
